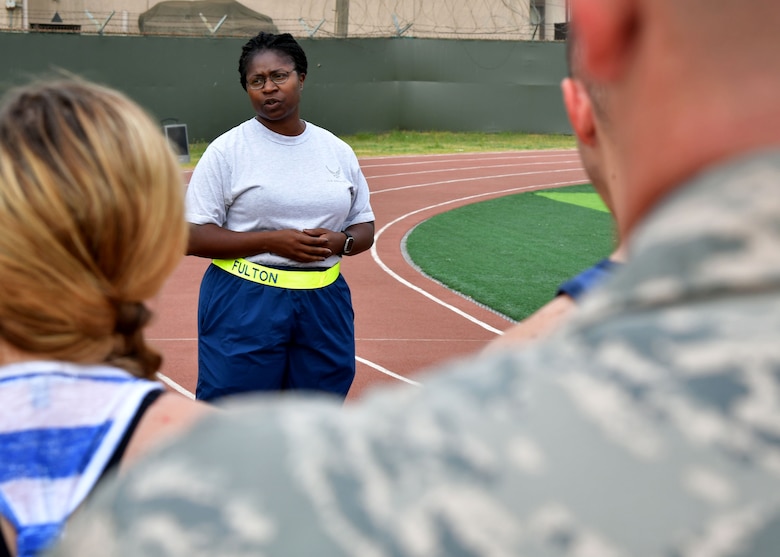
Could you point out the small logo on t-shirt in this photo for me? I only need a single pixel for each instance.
(335, 173)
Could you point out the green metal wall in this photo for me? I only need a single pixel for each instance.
(353, 85)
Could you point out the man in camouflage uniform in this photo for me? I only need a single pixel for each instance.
(649, 426)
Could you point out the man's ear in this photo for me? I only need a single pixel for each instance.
(605, 33)
(580, 110)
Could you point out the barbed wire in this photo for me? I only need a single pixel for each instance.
(466, 19)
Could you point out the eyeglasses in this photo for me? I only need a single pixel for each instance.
(258, 81)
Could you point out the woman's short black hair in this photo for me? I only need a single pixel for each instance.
(284, 43)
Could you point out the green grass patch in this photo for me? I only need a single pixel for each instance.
(589, 200)
(511, 253)
(399, 142)
(428, 143)
(196, 151)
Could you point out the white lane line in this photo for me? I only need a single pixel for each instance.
(181, 390)
(175, 386)
(178, 388)
(569, 157)
(387, 371)
(408, 340)
(457, 157)
(465, 168)
(483, 178)
(167, 380)
(424, 292)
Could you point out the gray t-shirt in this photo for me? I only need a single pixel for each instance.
(252, 179)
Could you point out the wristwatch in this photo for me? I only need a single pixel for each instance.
(350, 241)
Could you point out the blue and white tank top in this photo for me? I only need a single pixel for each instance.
(59, 425)
(577, 286)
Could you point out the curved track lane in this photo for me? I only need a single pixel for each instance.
(405, 322)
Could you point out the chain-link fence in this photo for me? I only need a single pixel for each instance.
(456, 19)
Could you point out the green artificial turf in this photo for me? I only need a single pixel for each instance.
(511, 253)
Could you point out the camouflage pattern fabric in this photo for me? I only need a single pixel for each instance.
(650, 426)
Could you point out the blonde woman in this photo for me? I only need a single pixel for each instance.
(91, 225)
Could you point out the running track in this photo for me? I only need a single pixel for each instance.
(405, 323)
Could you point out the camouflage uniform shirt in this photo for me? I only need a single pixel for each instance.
(650, 426)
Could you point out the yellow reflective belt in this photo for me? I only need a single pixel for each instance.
(293, 280)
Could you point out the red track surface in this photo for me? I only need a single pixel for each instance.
(405, 323)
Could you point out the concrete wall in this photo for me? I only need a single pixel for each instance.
(353, 85)
(474, 19)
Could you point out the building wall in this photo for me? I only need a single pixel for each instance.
(353, 85)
